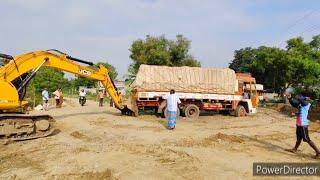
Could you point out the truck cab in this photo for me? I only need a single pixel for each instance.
(247, 89)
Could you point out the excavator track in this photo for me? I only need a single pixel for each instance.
(24, 127)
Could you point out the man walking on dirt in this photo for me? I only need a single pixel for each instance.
(45, 99)
(101, 97)
(302, 123)
(172, 104)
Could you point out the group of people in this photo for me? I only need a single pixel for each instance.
(58, 96)
(300, 102)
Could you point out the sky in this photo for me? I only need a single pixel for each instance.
(103, 30)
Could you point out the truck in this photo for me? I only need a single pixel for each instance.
(199, 89)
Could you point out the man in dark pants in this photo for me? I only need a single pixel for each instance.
(302, 123)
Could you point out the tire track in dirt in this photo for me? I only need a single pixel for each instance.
(106, 174)
(177, 161)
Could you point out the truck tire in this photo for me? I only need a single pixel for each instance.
(192, 111)
(165, 112)
(240, 111)
(182, 112)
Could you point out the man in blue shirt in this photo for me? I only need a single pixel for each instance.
(302, 123)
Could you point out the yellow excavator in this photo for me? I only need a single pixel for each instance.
(15, 75)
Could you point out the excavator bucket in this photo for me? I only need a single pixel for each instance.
(130, 106)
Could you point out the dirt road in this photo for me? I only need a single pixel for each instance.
(98, 143)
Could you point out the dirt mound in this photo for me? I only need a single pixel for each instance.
(221, 138)
(79, 135)
(314, 113)
(286, 109)
(211, 140)
(107, 174)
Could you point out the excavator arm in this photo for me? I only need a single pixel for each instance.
(19, 70)
(15, 75)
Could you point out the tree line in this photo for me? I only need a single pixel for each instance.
(153, 50)
(297, 65)
(52, 79)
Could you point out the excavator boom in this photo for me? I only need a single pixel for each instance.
(19, 70)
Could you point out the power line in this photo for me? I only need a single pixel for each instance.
(299, 20)
(296, 22)
(311, 29)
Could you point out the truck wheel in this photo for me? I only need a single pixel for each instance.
(192, 111)
(165, 112)
(182, 112)
(240, 111)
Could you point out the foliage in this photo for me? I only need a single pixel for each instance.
(48, 78)
(111, 69)
(53, 79)
(298, 65)
(80, 81)
(161, 51)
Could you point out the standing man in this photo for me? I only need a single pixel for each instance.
(45, 99)
(302, 123)
(60, 98)
(101, 97)
(172, 104)
(57, 97)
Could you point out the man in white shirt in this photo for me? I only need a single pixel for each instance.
(45, 99)
(172, 104)
(82, 93)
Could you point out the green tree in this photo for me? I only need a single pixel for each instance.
(111, 70)
(81, 81)
(243, 59)
(297, 65)
(50, 79)
(158, 50)
(45, 78)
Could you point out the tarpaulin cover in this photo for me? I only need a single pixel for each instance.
(185, 79)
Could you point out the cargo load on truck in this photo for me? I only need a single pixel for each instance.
(185, 79)
(199, 89)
